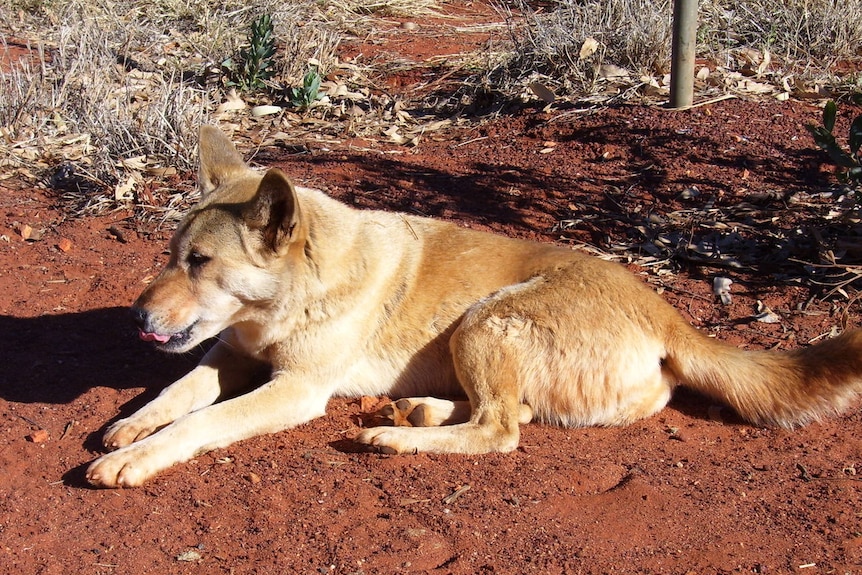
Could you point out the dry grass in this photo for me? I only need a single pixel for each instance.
(118, 84)
(130, 82)
(805, 38)
(388, 7)
(633, 34)
(804, 34)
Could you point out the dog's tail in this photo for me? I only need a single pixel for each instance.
(783, 389)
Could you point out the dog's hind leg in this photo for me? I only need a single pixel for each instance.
(433, 412)
(496, 348)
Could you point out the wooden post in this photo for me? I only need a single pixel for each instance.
(682, 54)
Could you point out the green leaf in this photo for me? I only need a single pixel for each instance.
(840, 158)
(822, 138)
(856, 135)
(829, 113)
(309, 92)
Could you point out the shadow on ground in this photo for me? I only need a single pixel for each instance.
(56, 358)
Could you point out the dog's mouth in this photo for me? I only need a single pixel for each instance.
(167, 342)
(156, 337)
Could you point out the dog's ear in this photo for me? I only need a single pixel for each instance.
(219, 160)
(274, 210)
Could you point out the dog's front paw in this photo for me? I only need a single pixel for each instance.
(387, 440)
(127, 467)
(126, 431)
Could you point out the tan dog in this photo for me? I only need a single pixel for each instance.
(329, 300)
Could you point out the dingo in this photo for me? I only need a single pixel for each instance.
(328, 300)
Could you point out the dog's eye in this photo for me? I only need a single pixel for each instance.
(197, 259)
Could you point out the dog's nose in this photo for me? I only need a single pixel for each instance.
(139, 315)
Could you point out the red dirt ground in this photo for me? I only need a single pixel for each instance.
(691, 490)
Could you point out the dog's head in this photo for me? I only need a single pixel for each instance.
(230, 255)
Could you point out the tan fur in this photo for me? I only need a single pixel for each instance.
(326, 300)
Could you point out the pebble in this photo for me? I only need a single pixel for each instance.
(39, 436)
(189, 556)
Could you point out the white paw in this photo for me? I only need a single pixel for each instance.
(389, 440)
(127, 467)
(127, 431)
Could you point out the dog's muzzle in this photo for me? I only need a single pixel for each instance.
(147, 332)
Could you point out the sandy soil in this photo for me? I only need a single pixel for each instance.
(691, 490)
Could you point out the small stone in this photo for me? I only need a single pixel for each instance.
(39, 436)
(189, 556)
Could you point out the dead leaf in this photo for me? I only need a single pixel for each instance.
(543, 92)
(803, 91)
(394, 136)
(764, 64)
(264, 110)
(136, 163)
(588, 48)
(749, 55)
(436, 125)
(125, 192)
(721, 288)
(766, 315)
(456, 494)
(342, 91)
(753, 87)
(232, 102)
(161, 172)
(403, 116)
(611, 72)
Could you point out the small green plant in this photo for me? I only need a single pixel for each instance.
(850, 161)
(304, 96)
(256, 62)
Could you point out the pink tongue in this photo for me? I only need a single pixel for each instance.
(146, 336)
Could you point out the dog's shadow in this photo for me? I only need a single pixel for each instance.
(56, 358)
